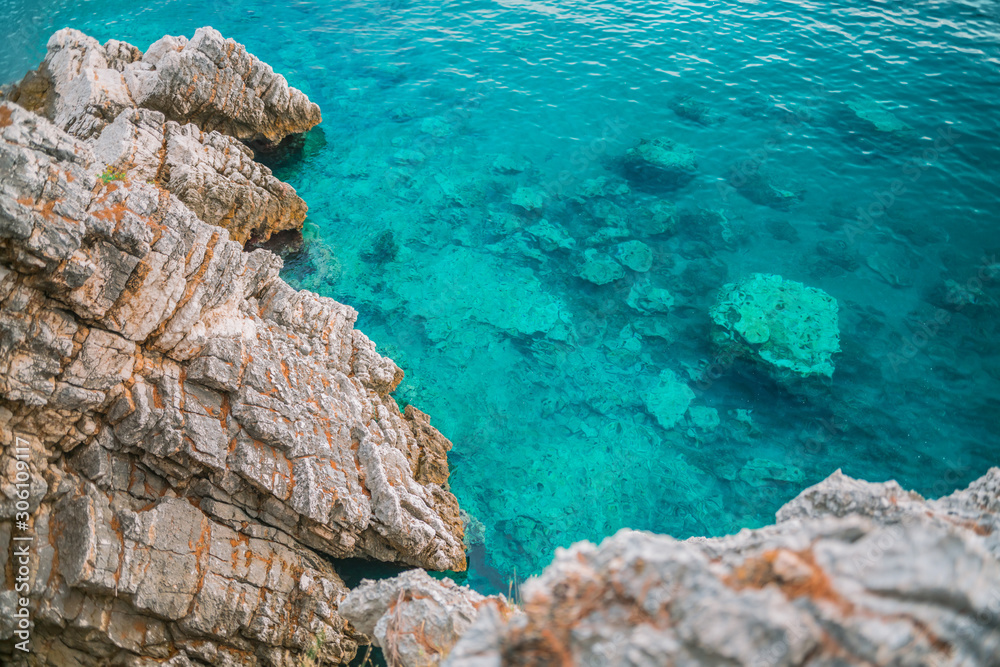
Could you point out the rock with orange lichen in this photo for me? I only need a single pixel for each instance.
(213, 174)
(202, 434)
(852, 574)
(417, 619)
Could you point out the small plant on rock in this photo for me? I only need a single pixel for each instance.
(112, 174)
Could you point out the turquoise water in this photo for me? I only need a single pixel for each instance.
(438, 115)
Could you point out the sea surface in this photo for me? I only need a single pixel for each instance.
(473, 156)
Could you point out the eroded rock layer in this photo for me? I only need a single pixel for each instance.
(200, 432)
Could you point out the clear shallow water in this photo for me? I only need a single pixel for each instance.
(538, 376)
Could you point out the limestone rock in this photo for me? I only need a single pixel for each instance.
(210, 81)
(661, 163)
(645, 298)
(781, 323)
(853, 573)
(636, 255)
(599, 268)
(669, 399)
(417, 619)
(201, 431)
(877, 116)
(528, 199)
(212, 173)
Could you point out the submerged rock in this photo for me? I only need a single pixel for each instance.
(704, 418)
(694, 110)
(658, 218)
(509, 164)
(382, 249)
(648, 299)
(781, 323)
(636, 255)
(602, 186)
(660, 163)
(528, 199)
(669, 399)
(599, 268)
(877, 116)
(550, 237)
(758, 188)
(210, 81)
(758, 472)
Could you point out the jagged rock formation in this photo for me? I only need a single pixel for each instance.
(210, 81)
(213, 174)
(201, 434)
(853, 573)
(191, 104)
(417, 619)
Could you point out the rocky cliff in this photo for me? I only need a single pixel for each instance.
(852, 573)
(196, 437)
(189, 444)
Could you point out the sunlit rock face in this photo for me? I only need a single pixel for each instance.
(201, 435)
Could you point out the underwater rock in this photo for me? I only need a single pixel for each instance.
(417, 619)
(602, 186)
(608, 212)
(669, 399)
(660, 217)
(688, 108)
(636, 255)
(876, 116)
(528, 198)
(624, 350)
(704, 418)
(758, 188)
(782, 230)
(213, 174)
(834, 253)
(714, 227)
(405, 156)
(758, 472)
(781, 323)
(648, 299)
(850, 568)
(605, 234)
(509, 164)
(192, 414)
(475, 531)
(660, 163)
(209, 81)
(655, 327)
(436, 127)
(956, 297)
(550, 237)
(894, 264)
(383, 248)
(599, 268)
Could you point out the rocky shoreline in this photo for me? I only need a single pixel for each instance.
(200, 433)
(202, 439)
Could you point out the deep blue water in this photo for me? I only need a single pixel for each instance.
(436, 114)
